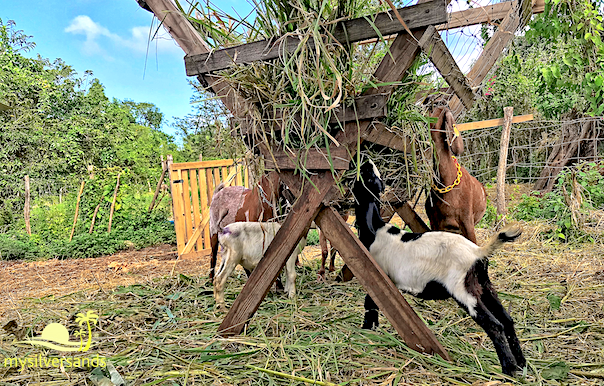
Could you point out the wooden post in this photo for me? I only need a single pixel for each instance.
(117, 186)
(381, 289)
(263, 276)
(96, 210)
(164, 167)
(75, 217)
(508, 114)
(27, 206)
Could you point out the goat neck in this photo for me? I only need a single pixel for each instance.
(367, 205)
(446, 145)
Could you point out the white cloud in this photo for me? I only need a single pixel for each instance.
(99, 40)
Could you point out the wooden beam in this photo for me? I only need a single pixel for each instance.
(295, 226)
(349, 31)
(492, 122)
(313, 159)
(473, 16)
(381, 289)
(432, 44)
(364, 107)
(411, 218)
(382, 135)
(487, 14)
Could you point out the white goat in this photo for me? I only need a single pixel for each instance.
(436, 265)
(245, 243)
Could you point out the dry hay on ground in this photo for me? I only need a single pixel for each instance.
(164, 330)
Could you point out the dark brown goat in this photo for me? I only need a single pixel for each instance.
(236, 203)
(454, 205)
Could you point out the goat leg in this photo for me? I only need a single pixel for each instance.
(494, 329)
(492, 302)
(213, 257)
(371, 314)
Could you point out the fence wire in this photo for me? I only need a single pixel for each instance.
(531, 144)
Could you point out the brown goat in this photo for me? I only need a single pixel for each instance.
(236, 203)
(325, 252)
(463, 204)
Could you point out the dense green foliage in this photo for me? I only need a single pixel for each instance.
(556, 67)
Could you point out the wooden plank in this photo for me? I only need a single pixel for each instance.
(365, 107)
(202, 164)
(487, 14)
(209, 184)
(411, 218)
(380, 134)
(195, 236)
(432, 44)
(349, 31)
(314, 159)
(381, 289)
(294, 227)
(186, 197)
(204, 203)
(492, 122)
(239, 177)
(195, 201)
(178, 209)
(224, 175)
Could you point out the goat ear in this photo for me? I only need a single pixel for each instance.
(453, 135)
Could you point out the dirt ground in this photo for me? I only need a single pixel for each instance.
(20, 280)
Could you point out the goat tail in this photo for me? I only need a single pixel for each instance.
(508, 234)
(219, 187)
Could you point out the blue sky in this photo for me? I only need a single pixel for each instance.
(109, 37)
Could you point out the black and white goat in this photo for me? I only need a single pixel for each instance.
(245, 243)
(436, 265)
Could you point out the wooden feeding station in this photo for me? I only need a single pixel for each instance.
(423, 21)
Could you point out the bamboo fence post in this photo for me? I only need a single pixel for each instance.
(117, 186)
(161, 180)
(96, 210)
(27, 206)
(508, 114)
(75, 217)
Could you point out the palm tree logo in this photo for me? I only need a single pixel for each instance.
(55, 336)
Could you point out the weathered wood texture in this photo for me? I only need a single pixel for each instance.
(443, 60)
(380, 134)
(312, 160)
(487, 14)
(492, 122)
(294, 227)
(508, 113)
(388, 298)
(349, 31)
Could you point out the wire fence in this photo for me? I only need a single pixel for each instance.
(530, 147)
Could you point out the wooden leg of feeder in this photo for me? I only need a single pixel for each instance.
(295, 226)
(388, 298)
(411, 218)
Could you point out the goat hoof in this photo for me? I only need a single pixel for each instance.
(321, 277)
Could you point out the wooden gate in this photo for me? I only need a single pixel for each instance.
(192, 185)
